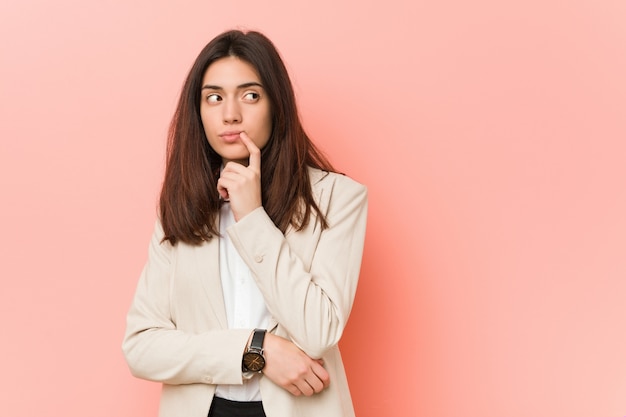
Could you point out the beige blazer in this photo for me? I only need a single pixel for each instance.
(177, 331)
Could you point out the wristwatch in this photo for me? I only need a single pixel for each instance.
(253, 359)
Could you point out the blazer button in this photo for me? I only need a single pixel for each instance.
(208, 379)
(258, 259)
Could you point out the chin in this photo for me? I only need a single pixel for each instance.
(235, 157)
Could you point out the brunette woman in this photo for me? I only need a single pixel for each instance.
(254, 261)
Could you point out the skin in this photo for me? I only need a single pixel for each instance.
(234, 102)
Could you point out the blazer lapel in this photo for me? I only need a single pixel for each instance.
(207, 259)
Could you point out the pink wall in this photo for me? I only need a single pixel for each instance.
(491, 135)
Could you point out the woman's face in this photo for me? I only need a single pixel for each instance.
(234, 101)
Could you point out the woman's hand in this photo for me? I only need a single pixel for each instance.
(241, 185)
(289, 367)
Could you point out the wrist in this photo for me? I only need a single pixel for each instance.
(253, 359)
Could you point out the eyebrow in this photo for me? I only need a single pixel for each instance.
(239, 87)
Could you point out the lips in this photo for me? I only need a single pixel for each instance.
(230, 137)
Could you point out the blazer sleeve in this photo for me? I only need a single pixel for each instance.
(153, 346)
(312, 304)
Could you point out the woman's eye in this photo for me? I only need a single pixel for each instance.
(251, 96)
(213, 98)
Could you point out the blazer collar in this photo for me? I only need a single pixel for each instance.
(316, 175)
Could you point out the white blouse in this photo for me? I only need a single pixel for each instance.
(245, 306)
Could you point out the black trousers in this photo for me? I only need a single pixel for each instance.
(227, 408)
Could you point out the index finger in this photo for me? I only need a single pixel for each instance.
(255, 152)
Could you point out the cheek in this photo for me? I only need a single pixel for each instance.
(267, 128)
(267, 121)
(208, 122)
(203, 119)
(263, 133)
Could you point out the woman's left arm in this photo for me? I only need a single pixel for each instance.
(312, 304)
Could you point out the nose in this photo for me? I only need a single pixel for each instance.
(232, 112)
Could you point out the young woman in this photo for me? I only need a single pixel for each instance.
(254, 261)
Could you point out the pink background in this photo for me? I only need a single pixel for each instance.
(491, 135)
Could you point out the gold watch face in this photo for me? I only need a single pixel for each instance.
(253, 361)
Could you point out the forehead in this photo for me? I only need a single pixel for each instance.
(229, 72)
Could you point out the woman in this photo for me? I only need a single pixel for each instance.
(254, 262)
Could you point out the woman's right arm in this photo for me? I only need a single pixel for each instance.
(153, 346)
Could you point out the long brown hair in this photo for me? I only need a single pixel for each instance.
(189, 202)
